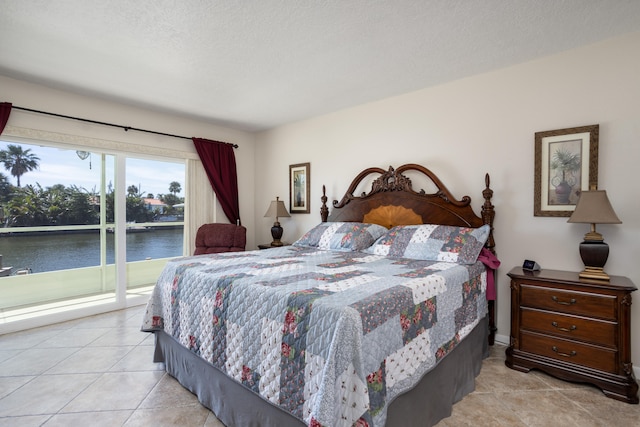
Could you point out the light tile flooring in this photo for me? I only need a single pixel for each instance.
(98, 371)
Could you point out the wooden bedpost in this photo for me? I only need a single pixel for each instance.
(488, 214)
(324, 210)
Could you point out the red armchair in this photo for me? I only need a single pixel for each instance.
(216, 238)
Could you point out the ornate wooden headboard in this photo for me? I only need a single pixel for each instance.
(392, 201)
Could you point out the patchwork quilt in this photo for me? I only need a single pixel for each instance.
(330, 336)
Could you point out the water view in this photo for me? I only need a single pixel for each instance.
(50, 251)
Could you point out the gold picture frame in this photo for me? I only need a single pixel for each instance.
(299, 188)
(566, 163)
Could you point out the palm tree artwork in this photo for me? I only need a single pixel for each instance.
(18, 161)
(565, 163)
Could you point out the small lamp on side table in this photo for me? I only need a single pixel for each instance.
(277, 209)
(594, 208)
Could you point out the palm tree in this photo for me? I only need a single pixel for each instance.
(174, 187)
(5, 187)
(132, 191)
(18, 161)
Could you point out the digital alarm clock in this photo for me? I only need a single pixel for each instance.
(530, 265)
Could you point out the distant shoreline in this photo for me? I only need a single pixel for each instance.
(96, 231)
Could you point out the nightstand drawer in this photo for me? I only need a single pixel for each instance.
(570, 302)
(594, 331)
(570, 351)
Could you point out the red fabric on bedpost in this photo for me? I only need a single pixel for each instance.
(219, 162)
(492, 263)
(5, 111)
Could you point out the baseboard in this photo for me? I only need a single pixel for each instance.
(502, 339)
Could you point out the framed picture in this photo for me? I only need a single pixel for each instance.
(566, 163)
(299, 184)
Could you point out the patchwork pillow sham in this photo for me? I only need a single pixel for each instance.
(342, 236)
(432, 242)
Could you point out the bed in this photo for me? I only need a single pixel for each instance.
(379, 315)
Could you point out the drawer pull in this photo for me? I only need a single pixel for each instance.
(559, 353)
(572, 328)
(571, 301)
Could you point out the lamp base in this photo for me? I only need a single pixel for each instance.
(276, 233)
(594, 273)
(594, 254)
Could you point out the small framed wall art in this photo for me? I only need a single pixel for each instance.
(299, 185)
(566, 163)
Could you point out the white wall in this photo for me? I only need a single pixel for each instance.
(485, 123)
(42, 98)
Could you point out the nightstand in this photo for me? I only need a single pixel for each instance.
(574, 329)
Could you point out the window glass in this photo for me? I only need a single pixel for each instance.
(155, 209)
(50, 201)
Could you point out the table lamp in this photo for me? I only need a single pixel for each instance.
(594, 208)
(277, 209)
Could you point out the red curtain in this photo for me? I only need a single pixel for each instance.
(5, 111)
(219, 162)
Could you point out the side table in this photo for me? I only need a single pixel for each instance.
(574, 329)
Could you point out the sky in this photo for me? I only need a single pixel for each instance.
(58, 166)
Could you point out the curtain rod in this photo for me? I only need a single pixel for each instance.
(126, 128)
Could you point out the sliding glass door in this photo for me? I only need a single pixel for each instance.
(80, 227)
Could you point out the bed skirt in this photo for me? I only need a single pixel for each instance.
(234, 405)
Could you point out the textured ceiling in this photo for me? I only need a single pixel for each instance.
(253, 65)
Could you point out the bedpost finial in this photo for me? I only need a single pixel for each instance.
(324, 210)
(488, 212)
(487, 193)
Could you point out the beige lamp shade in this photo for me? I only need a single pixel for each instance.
(594, 208)
(277, 209)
